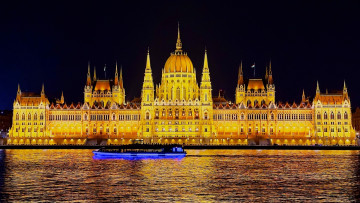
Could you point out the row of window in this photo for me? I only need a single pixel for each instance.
(29, 130)
(176, 129)
(176, 113)
(94, 117)
(332, 130)
(29, 116)
(263, 116)
(332, 115)
(65, 117)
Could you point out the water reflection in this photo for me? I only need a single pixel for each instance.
(133, 158)
(204, 175)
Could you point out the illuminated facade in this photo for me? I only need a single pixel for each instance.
(178, 110)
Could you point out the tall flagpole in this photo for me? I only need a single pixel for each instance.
(254, 69)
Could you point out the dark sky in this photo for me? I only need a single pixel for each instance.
(306, 41)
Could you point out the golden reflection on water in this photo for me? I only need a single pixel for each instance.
(204, 175)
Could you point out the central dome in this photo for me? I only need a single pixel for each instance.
(178, 63)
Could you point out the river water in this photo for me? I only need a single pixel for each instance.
(202, 176)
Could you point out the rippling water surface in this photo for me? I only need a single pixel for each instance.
(204, 175)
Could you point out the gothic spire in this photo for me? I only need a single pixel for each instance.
(266, 73)
(205, 74)
(303, 96)
(19, 90)
(94, 73)
(206, 65)
(270, 78)
(43, 90)
(116, 79)
(88, 79)
(317, 87)
(240, 75)
(121, 82)
(62, 97)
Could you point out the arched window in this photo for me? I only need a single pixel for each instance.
(255, 102)
(163, 112)
(325, 115)
(248, 103)
(41, 116)
(205, 115)
(196, 114)
(346, 115)
(332, 116)
(156, 113)
(176, 113)
(339, 115)
(318, 116)
(262, 102)
(29, 116)
(35, 116)
(147, 116)
(113, 116)
(272, 116)
(85, 117)
(242, 116)
(205, 97)
(17, 116)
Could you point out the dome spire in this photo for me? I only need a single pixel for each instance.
(178, 42)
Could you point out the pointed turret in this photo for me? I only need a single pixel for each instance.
(19, 90)
(116, 79)
(88, 78)
(206, 65)
(345, 88)
(240, 75)
(121, 82)
(266, 73)
(94, 74)
(303, 99)
(178, 42)
(345, 91)
(270, 78)
(43, 90)
(62, 100)
(317, 88)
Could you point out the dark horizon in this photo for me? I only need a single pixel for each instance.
(306, 42)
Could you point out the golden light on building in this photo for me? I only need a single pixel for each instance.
(179, 110)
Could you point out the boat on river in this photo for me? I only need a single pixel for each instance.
(142, 150)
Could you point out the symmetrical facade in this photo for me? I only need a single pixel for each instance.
(178, 110)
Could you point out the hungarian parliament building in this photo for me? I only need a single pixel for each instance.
(179, 110)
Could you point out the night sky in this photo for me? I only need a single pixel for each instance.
(51, 43)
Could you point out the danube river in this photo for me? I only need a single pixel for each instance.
(204, 175)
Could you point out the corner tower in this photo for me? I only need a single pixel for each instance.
(240, 88)
(147, 102)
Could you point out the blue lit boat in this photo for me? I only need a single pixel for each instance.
(142, 150)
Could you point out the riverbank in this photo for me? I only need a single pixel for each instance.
(186, 147)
